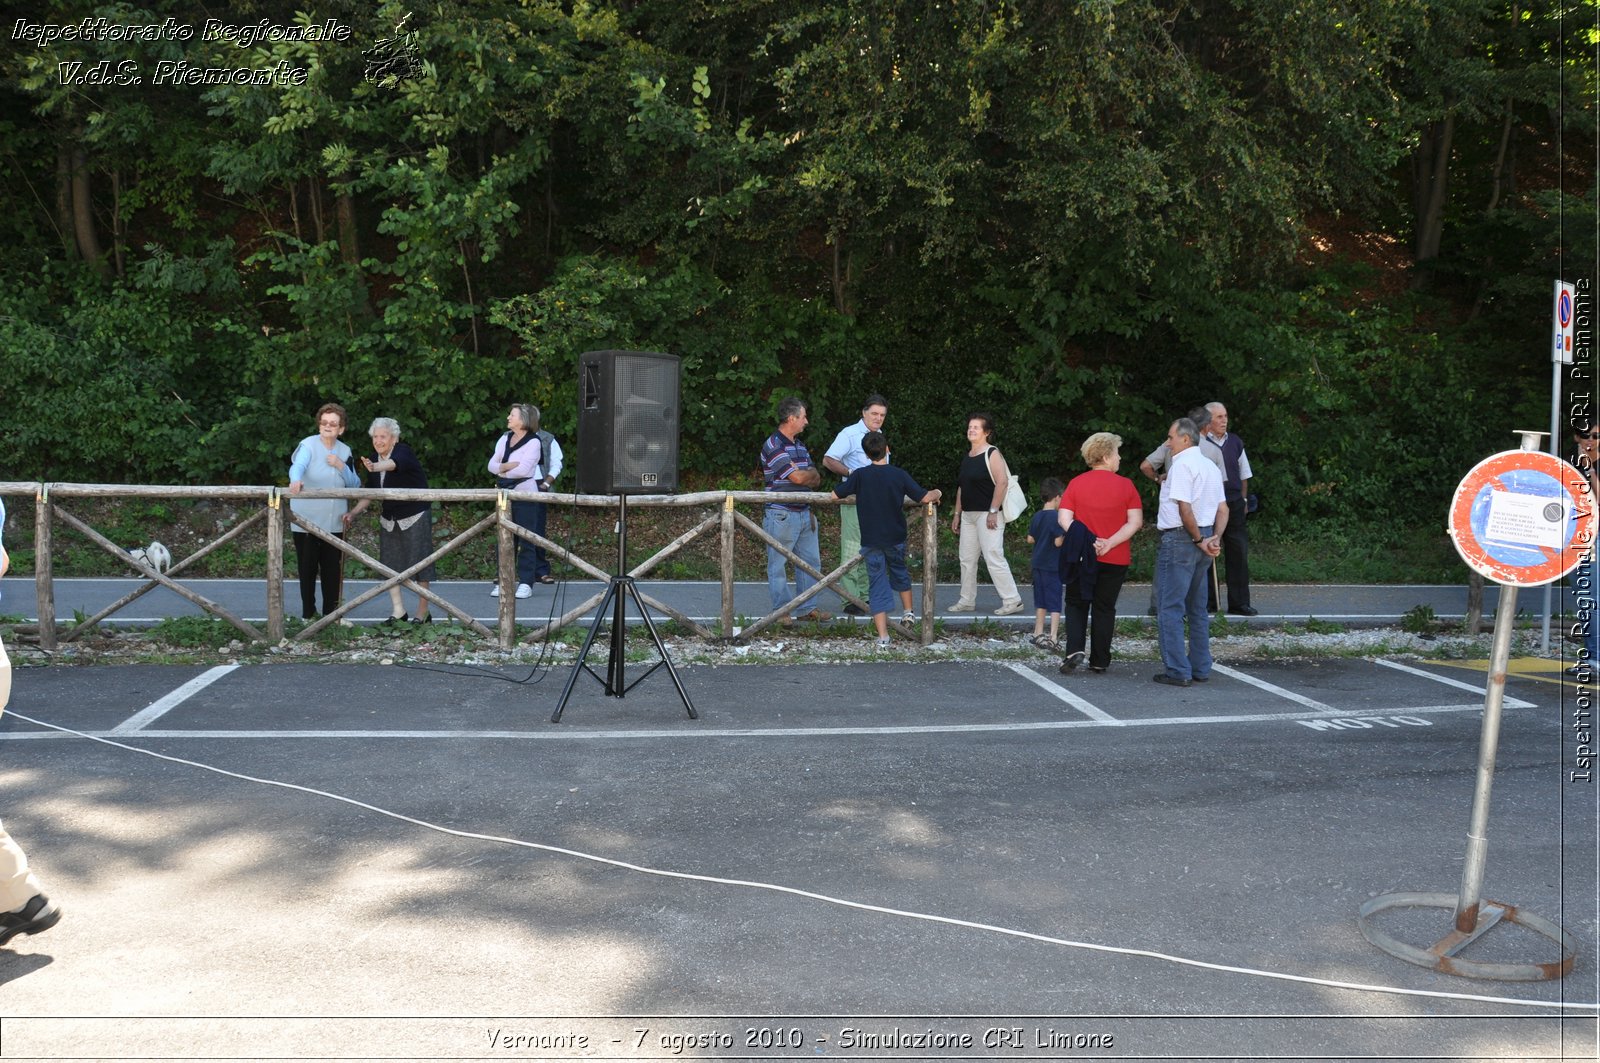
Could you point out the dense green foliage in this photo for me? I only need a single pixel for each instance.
(1341, 219)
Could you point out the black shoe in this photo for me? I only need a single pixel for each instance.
(1072, 660)
(1201, 679)
(1583, 673)
(852, 609)
(38, 914)
(1243, 610)
(1096, 669)
(422, 621)
(396, 621)
(1166, 680)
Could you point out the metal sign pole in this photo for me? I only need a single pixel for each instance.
(1513, 519)
(1489, 744)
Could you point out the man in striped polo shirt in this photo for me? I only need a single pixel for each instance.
(786, 469)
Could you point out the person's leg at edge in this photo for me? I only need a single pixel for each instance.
(969, 551)
(540, 519)
(305, 557)
(1199, 620)
(1103, 623)
(807, 549)
(778, 524)
(855, 581)
(330, 561)
(18, 884)
(1176, 573)
(992, 542)
(880, 598)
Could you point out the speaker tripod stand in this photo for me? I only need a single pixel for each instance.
(620, 588)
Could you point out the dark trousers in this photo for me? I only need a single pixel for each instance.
(319, 560)
(529, 515)
(1235, 558)
(1236, 555)
(541, 563)
(1095, 616)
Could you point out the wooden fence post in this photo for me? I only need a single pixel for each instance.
(726, 560)
(507, 557)
(930, 569)
(274, 566)
(43, 568)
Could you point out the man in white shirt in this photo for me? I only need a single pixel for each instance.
(844, 457)
(1191, 519)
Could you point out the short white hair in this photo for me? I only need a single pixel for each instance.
(388, 424)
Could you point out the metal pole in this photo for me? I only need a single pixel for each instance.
(1494, 697)
(1555, 448)
(1477, 839)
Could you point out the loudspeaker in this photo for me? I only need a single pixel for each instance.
(627, 422)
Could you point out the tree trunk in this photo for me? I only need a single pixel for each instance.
(841, 278)
(1430, 176)
(344, 209)
(64, 223)
(83, 226)
(349, 235)
(116, 222)
(314, 192)
(1496, 189)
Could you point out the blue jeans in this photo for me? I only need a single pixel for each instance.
(886, 574)
(798, 532)
(1182, 570)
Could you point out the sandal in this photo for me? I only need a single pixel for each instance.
(1044, 642)
(547, 578)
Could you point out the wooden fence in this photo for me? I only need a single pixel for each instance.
(273, 516)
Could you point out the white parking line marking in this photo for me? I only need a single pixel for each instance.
(157, 709)
(561, 734)
(1085, 707)
(1262, 684)
(1510, 702)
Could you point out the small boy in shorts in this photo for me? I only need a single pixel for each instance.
(1045, 535)
(880, 490)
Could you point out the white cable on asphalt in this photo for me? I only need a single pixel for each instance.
(825, 898)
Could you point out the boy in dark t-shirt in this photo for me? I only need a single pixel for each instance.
(1044, 535)
(880, 490)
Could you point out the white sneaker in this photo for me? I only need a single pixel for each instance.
(494, 590)
(910, 619)
(962, 607)
(525, 591)
(885, 642)
(1008, 608)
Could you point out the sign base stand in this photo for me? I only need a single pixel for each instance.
(1444, 954)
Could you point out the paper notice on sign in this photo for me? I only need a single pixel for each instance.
(1525, 520)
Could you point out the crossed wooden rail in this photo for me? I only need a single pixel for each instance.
(275, 515)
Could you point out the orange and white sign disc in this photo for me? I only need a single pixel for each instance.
(1523, 518)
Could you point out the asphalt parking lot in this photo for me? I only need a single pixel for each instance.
(907, 861)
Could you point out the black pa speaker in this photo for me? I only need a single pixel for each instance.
(627, 422)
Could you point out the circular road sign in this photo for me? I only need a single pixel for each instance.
(1522, 518)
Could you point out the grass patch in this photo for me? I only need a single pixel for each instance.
(195, 632)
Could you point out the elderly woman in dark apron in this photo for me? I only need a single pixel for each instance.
(515, 465)
(405, 529)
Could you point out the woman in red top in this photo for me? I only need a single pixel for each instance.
(1108, 505)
